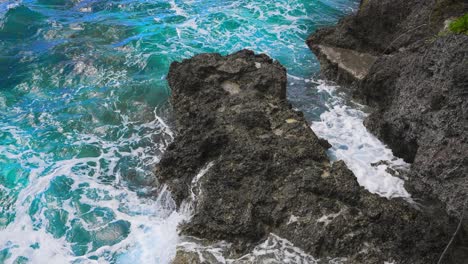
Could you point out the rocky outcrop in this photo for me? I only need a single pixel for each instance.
(251, 166)
(344, 65)
(419, 88)
(386, 26)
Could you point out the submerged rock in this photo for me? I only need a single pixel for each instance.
(251, 166)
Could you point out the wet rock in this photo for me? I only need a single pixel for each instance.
(255, 168)
(418, 87)
(423, 116)
(456, 251)
(271, 251)
(324, 143)
(186, 257)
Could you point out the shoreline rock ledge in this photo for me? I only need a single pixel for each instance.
(250, 166)
(417, 83)
(414, 73)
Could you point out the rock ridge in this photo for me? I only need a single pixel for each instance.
(251, 166)
(418, 87)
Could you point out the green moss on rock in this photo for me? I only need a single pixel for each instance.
(460, 25)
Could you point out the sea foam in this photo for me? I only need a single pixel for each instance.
(369, 159)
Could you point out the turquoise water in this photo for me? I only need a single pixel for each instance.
(83, 113)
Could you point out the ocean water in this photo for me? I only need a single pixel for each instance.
(84, 117)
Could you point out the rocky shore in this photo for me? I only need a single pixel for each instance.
(415, 76)
(250, 168)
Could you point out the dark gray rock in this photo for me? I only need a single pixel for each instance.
(256, 168)
(422, 114)
(386, 26)
(419, 89)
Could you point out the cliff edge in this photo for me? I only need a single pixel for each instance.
(417, 83)
(250, 168)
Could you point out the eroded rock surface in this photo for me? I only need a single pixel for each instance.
(255, 167)
(419, 89)
(418, 85)
(345, 65)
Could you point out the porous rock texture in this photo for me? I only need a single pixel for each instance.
(251, 166)
(418, 87)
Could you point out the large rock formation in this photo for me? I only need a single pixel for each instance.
(418, 86)
(251, 166)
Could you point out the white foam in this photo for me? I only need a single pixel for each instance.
(277, 250)
(153, 238)
(327, 219)
(343, 127)
(178, 10)
(153, 232)
(274, 249)
(195, 186)
(7, 5)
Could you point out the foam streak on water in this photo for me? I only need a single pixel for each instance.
(114, 222)
(273, 250)
(343, 127)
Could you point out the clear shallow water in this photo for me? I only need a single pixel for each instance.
(82, 110)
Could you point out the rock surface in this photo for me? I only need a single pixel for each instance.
(418, 87)
(251, 166)
(344, 65)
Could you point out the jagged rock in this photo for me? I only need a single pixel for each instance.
(386, 26)
(255, 168)
(419, 89)
(344, 65)
(457, 252)
(423, 116)
(186, 257)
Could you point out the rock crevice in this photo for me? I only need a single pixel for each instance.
(269, 173)
(418, 87)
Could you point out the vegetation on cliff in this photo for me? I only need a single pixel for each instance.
(460, 25)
